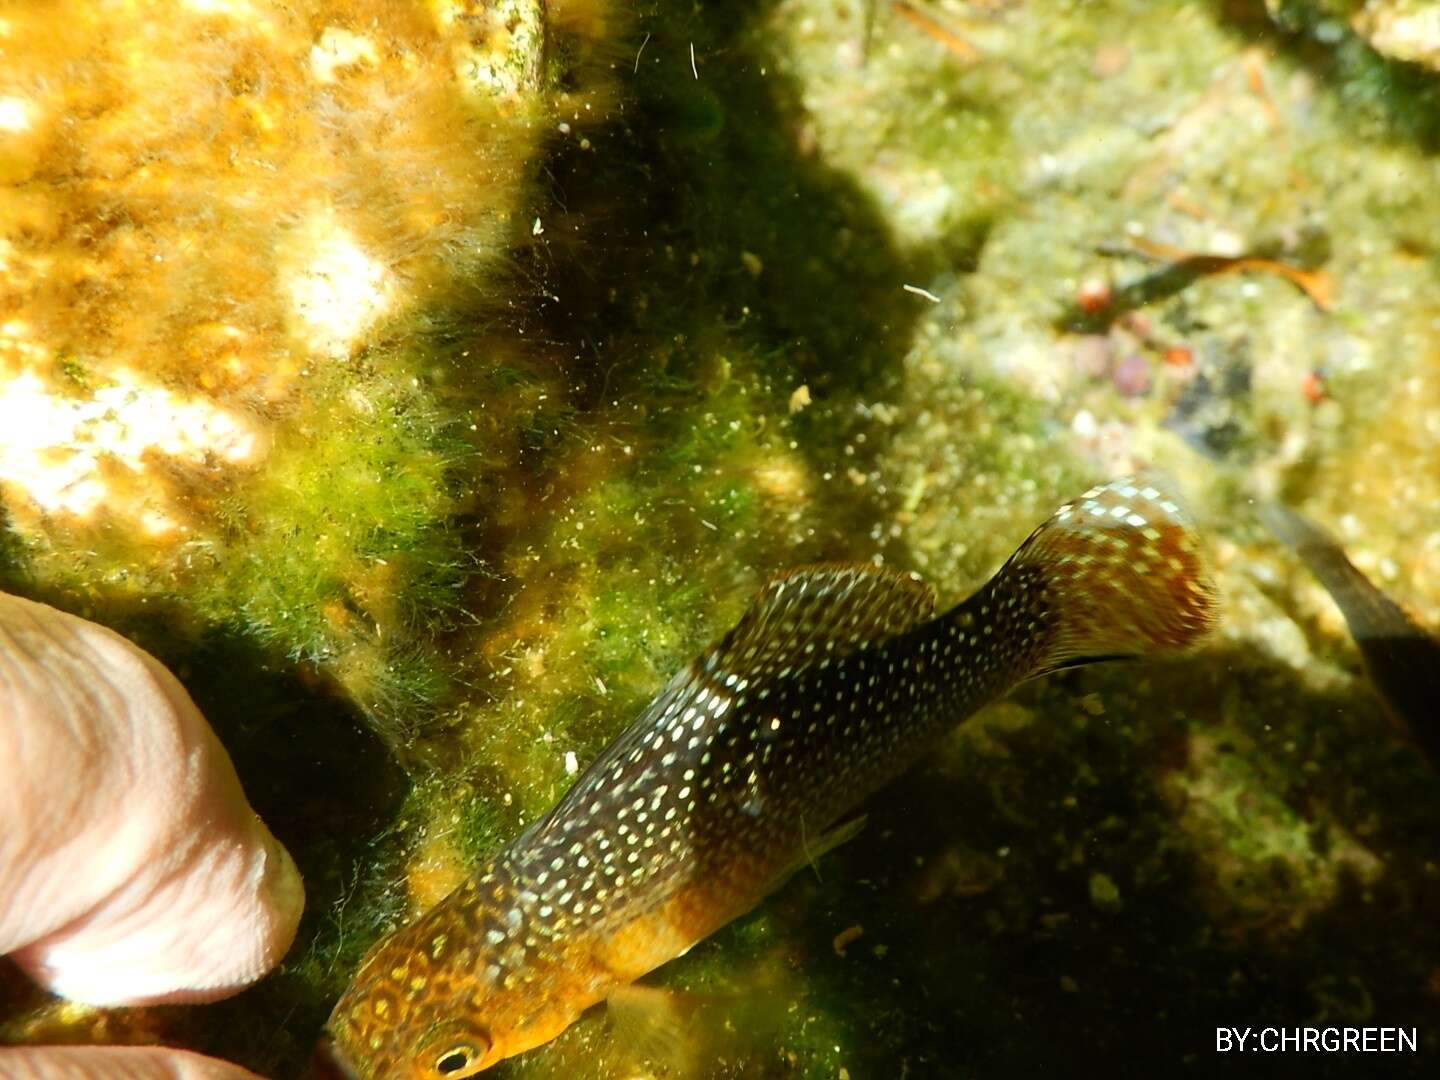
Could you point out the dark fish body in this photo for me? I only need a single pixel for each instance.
(1401, 659)
(749, 764)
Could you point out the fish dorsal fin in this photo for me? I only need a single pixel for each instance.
(819, 613)
(798, 620)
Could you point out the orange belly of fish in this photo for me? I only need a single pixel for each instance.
(592, 969)
(689, 916)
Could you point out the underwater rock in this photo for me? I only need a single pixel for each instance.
(135, 870)
(1132, 376)
(1407, 30)
(226, 229)
(647, 502)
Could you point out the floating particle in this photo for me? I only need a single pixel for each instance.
(846, 938)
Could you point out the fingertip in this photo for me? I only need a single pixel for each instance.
(115, 1063)
(139, 873)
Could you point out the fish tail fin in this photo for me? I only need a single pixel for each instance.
(1120, 572)
(1368, 612)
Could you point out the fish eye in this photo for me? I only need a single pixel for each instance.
(457, 1060)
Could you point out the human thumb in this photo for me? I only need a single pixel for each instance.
(132, 868)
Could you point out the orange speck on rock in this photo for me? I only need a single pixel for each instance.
(1179, 356)
(1094, 295)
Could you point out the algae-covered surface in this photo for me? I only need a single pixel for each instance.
(751, 285)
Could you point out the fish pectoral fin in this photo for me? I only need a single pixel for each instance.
(654, 1023)
(812, 850)
(833, 837)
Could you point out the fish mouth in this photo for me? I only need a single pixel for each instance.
(329, 1063)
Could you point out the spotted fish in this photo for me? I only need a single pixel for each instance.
(747, 765)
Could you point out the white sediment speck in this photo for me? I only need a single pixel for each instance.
(337, 291)
(338, 49)
(16, 115)
(56, 446)
(925, 293)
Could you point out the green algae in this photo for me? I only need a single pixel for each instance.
(342, 544)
